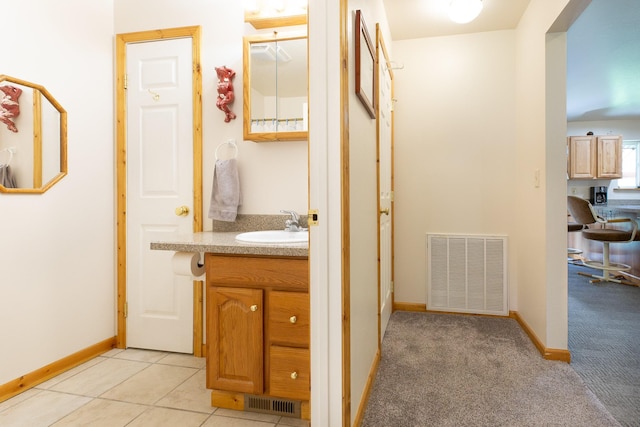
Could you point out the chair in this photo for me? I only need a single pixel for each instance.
(583, 213)
(573, 253)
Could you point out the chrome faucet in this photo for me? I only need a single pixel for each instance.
(293, 223)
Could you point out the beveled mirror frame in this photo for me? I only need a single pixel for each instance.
(39, 186)
(247, 131)
(365, 66)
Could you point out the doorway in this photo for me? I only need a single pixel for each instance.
(600, 315)
(385, 185)
(157, 172)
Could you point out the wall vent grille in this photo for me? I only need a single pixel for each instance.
(467, 274)
(272, 405)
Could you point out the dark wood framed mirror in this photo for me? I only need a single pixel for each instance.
(365, 59)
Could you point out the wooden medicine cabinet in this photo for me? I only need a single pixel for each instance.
(275, 87)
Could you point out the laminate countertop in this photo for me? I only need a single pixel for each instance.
(226, 243)
(630, 208)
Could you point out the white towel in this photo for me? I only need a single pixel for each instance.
(225, 194)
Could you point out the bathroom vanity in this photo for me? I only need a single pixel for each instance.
(258, 332)
(257, 322)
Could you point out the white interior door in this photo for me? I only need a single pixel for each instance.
(159, 180)
(385, 195)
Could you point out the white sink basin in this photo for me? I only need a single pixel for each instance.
(274, 236)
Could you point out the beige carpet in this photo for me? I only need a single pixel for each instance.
(604, 340)
(453, 370)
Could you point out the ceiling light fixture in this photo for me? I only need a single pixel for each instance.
(275, 7)
(463, 11)
(251, 6)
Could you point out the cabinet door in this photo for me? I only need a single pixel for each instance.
(609, 157)
(582, 157)
(235, 350)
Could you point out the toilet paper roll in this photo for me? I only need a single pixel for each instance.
(188, 264)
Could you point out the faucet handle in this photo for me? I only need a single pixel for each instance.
(294, 215)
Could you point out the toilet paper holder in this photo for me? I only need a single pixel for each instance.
(188, 264)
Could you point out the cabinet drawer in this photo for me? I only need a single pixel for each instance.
(286, 273)
(288, 318)
(289, 374)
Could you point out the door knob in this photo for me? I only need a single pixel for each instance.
(182, 211)
(254, 307)
(384, 211)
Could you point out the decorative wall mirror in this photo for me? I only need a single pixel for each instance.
(275, 87)
(33, 137)
(365, 66)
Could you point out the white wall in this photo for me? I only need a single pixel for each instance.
(540, 211)
(325, 187)
(454, 146)
(273, 175)
(57, 263)
(363, 208)
(557, 320)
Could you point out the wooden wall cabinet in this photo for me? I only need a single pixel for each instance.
(258, 315)
(609, 164)
(594, 157)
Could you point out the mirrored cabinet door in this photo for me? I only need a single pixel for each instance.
(275, 87)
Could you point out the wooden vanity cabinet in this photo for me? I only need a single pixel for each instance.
(257, 328)
(592, 157)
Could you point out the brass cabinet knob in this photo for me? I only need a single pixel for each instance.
(254, 307)
(182, 211)
(384, 211)
(293, 319)
(294, 375)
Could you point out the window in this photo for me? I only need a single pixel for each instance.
(630, 164)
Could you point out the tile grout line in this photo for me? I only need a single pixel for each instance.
(136, 357)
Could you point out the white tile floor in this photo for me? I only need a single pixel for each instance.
(134, 388)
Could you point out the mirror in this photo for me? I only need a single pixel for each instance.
(33, 137)
(275, 87)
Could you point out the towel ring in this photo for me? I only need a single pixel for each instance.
(229, 142)
(10, 151)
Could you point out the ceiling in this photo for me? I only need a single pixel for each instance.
(411, 19)
(603, 48)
